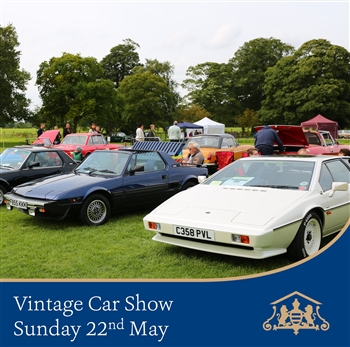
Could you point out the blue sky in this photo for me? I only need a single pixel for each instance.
(185, 33)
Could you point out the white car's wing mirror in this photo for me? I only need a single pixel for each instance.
(201, 179)
(339, 187)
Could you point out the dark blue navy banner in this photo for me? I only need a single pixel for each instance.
(303, 305)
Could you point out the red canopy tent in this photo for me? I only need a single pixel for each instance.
(321, 123)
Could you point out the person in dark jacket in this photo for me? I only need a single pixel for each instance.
(66, 130)
(41, 130)
(265, 139)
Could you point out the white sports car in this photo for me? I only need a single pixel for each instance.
(259, 207)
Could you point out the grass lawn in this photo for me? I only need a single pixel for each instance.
(121, 249)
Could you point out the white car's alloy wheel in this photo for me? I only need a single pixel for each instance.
(312, 236)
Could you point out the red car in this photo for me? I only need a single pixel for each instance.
(89, 142)
(294, 137)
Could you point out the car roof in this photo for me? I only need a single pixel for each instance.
(210, 135)
(36, 148)
(314, 158)
(87, 133)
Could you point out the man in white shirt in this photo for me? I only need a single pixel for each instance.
(140, 135)
(174, 133)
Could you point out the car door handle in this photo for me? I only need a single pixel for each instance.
(164, 177)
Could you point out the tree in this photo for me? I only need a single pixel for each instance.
(191, 113)
(210, 86)
(72, 89)
(248, 119)
(165, 71)
(249, 65)
(145, 97)
(120, 61)
(316, 79)
(14, 106)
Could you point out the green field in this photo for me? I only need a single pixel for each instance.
(120, 249)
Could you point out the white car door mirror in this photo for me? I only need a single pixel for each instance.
(339, 187)
(201, 179)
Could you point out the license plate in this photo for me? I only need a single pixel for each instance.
(18, 203)
(194, 233)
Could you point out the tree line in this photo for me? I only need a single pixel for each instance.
(265, 82)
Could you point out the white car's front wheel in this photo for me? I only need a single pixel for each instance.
(307, 241)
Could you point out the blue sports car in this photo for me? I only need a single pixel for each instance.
(106, 181)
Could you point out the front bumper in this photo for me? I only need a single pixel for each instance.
(41, 208)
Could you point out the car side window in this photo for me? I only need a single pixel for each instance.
(40, 157)
(339, 171)
(225, 143)
(151, 161)
(53, 159)
(325, 178)
(230, 142)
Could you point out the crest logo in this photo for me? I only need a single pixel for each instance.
(296, 311)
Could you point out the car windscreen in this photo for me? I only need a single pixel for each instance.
(205, 141)
(13, 158)
(104, 163)
(74, 140)
(266, 173)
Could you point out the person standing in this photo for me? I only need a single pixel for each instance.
(66, 130)
(98, 129)
(140, 135)
(41, 130)
(265, 139)
(174, 133)
(151, 134)
(92, 128)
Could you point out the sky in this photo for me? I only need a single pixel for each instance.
(185, 33)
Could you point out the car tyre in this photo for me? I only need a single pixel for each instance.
(188, 185)
(2, 192)
(308, 239)
(95, 210)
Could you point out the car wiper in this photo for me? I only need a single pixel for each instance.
(106, 170)
(89, 169)
(7, 166)
(272, 186)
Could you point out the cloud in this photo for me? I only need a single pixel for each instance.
(223, 37)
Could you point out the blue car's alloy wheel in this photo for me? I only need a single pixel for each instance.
(95, 210)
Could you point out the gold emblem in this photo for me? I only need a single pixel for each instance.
(293, 317)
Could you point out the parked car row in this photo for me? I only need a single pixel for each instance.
(256, 207)
(105, 182)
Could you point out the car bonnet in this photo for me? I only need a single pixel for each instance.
(252, 206)
(69, 185)
(290, 135)
(49, 134)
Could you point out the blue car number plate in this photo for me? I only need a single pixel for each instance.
(18, 203)
(195, 233)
